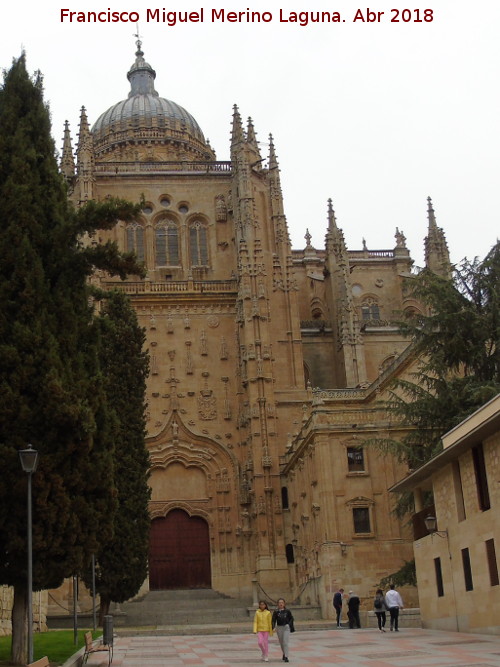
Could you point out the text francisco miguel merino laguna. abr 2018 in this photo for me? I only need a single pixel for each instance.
(302, 18)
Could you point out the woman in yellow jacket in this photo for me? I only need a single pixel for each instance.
(263, 627)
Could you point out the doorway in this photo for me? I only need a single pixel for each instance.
(179, 552)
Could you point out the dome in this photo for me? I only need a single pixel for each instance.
(145, 117)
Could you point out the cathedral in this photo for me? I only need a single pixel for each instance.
(268, 365)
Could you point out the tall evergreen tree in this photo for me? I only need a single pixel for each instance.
(457, 341)
(122, 560)
(50, 385)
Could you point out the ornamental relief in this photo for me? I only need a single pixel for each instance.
(207, 405)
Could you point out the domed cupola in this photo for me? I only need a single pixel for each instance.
(148, 127)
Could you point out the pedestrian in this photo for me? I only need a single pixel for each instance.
(283, 622)
(380, 607)
(337, 604)
(263, 628)
(394, 603)
(353, 613)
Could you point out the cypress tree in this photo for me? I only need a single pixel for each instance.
(51, 392)
(122, 560)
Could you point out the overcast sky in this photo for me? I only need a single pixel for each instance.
(377, 116)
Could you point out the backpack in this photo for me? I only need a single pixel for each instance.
(378, 603)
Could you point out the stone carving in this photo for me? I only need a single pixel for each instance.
(223, 348)
(203, 343)
(207, 405)
(220, 209)
(400, 239)
(189, 358)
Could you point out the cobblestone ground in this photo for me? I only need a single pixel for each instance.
(319, 648)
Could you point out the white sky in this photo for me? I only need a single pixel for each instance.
(376, 116)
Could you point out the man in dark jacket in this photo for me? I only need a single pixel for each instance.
(337, 604)
(353, 613)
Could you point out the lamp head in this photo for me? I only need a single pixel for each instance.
(29, 459)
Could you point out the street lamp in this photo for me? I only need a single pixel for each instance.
(29, 460)
(431, 523)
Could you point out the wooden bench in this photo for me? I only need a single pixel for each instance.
(43, 662)
(90, 648)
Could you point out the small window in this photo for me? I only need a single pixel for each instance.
(469, 585)
(355, 459)
(284, 498)
(492, 562)
(361, 518)
(370, 310)
(290, 558)
(439, 577)
(459, 493)
(483, 493)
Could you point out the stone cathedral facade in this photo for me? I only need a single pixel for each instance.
(267, 363)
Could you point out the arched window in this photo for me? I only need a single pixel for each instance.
(370, 309)
(198, 244)
(135, 240)
(290, 557)
(167, 244)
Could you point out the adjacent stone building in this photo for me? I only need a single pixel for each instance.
(457, 564)
(267, 363)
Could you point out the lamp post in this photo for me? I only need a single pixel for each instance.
(29, 460)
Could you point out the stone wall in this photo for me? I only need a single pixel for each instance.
(6, 598)
(39, 610)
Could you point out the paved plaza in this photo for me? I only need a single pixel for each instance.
(410, 647)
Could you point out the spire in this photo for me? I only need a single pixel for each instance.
(253, 144)
(67, 159)
(237, 134)
(335, 237)
(251, 137)
(437, 256)
(274, 174)
(85, 158)
(332, 222)
(273, 160)
(84, 136)
(141, 75)
(430, 214)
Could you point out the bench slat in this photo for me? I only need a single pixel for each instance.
(43, 662)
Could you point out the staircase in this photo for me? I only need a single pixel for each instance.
(183, 607)
(188, 612)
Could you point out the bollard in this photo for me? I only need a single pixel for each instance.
(107, 630)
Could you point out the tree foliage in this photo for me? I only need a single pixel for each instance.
(457, 342)
(51, 391)
(405, 576)
(122, 560)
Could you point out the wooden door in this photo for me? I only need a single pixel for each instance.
(179, 552)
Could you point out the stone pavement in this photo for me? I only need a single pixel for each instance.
(411, 647)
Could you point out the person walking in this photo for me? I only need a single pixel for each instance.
(353, 613)
(379, 607)
(337, 604)
(394, 603)
(263, 628)
(283, 622)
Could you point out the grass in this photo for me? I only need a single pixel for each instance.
(57, 645)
